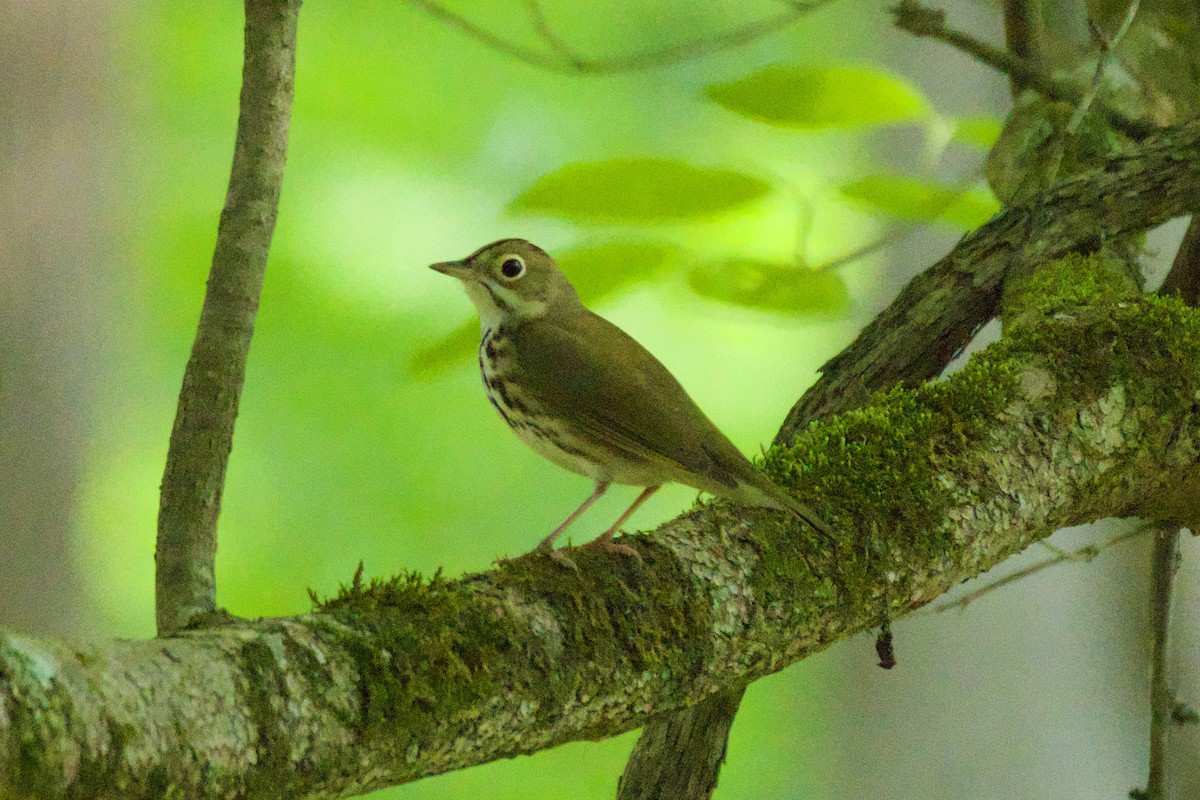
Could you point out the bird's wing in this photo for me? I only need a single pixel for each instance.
(594, 376)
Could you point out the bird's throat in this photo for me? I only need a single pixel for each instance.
(498, 305)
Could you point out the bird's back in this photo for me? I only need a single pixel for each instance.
(588, 372)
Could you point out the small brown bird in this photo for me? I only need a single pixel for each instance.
(581, 392)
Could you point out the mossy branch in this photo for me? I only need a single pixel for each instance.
(1091, 411)
(202, 436)
(939, 311)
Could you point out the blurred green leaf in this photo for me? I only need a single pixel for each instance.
(772, 287)
(597, 272)
(981, 132)
(912, 199)
(637, 190)
(801, 96)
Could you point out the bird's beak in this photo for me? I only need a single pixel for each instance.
(455, 269)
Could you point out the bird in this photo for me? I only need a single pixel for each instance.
(585, 395)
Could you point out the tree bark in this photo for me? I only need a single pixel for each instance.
(1087, 409)
(202, 437)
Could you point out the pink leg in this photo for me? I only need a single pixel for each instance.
(547, 544)
(605, 540)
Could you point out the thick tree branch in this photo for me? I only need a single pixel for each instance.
(212, 383)
(1088, 411)
(939, 311)
(681, 756)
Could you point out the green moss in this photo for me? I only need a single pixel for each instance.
(643, 617)
(1149, 345)
(1076, 280)
(425, 652)
(431, 652)
(871, 471)
(37, 717)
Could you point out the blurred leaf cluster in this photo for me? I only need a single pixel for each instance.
(648, 191)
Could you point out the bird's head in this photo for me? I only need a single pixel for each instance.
(510, 280)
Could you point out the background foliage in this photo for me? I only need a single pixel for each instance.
(705, 207)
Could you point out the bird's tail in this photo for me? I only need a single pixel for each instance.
(772, 495)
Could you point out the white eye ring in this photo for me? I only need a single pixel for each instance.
(512, 266)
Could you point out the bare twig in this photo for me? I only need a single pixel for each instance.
(1107, 45)
(564, 59)
(924, 21)
(1162, 701)
(212, 383)
(1083, 554)
(548, 35)
(900, 233)
(1023, 33)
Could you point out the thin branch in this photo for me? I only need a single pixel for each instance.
(1183, 280)
(533, 8)
(923, 21)
(1084, 554)
(1107, 45)
(1024, 35)
(1165, 561)
(567, 61)
(212, 383)
(902, 232)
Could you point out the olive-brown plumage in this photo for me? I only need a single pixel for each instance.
(584, 394)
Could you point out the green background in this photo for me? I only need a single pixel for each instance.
(364, 433)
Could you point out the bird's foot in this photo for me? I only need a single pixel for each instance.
(546, 548)
(606, 542)
(561, 557)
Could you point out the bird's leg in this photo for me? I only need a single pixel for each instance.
(605, 540)
(547, 544)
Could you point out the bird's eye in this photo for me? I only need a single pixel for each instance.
(512, 267)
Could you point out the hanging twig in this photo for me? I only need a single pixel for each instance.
(548, 35)
(563, 59)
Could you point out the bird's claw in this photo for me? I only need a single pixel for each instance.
(561, 557)
(607, 543)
